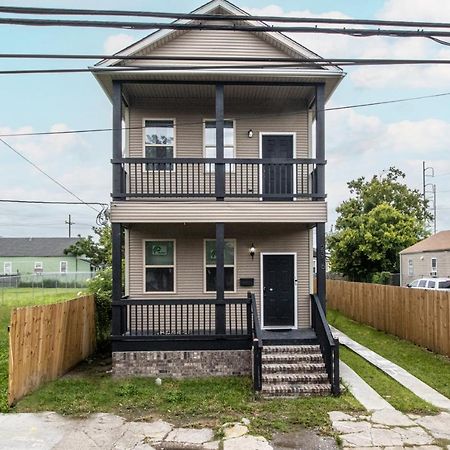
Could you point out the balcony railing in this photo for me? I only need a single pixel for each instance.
(266, 179)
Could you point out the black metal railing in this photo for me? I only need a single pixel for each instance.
(257, 345)
(269, 179)
(328, 345)
(161, 319)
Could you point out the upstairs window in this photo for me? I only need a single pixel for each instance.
(433, 266)
(210, 141)
(159, 142)
(159, 266)
(7, 268)
(38, 267)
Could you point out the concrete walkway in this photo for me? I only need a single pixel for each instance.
(399, 374)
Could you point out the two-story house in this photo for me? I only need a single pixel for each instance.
(218, 190)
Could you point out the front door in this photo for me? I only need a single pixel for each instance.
(278, 291)
(277, 177)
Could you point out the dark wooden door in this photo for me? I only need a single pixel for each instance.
(277, 178)
(278, 290)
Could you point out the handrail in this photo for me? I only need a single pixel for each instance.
(328, 345)
(257, 345)
(135, 160)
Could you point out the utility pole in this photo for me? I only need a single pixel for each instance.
(70, 223)
(429, 188)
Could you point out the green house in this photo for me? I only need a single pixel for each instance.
(40, 256)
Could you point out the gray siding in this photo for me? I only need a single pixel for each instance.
(190, 263)
(422, 265)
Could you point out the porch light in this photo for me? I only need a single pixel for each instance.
(252, 251)
(250, 133)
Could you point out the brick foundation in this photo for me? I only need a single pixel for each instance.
(182, 364)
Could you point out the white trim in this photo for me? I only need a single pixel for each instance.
(261, 270)
(9, 272)
(144, 119)
(233, 10)
(60, 266)
(226, 265)
(144, 266)
(294, 155)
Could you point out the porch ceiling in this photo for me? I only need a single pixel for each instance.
(187, 91)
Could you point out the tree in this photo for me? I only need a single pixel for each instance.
(97, 251)
(382, 217)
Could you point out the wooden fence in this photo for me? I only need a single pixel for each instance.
(418, 315)
(46, 341)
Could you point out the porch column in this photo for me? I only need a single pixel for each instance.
(220, 227)
(320, 186)
(116, 228)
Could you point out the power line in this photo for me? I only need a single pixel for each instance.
(336, 108)
(47, 175)
(217, 17)
(356, 32)
(305, 61)
(51, 202)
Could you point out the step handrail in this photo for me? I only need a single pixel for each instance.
(257, 345)
(329, 346)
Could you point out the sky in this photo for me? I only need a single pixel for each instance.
(359, 142)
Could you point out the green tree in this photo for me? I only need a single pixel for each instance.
(382, 217)
(98, 251)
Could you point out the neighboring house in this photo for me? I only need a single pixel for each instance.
(27, 256)
(427, 258)
(218, 194)
(327, 261)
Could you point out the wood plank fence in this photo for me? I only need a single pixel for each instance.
(46, 341)
(418, 315)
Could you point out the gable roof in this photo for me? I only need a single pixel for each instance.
(437, 243)
(278, 39)
(38, 247)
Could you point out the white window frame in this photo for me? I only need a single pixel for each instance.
(434, 272)
(294, 156)
(205, 266)
(229, 168)
(60, 266)
(6, 264)
(410, 267)
(38, 265)
(145, 119)
(165, 266)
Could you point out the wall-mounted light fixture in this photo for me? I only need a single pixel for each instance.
(250, 133)
(252, 251)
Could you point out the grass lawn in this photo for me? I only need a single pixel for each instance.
(429, 367)
(10, 298)
(211, 401)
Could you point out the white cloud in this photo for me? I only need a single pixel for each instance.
(117, 42)
(419, 10)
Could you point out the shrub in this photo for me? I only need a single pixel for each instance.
(101, 287)
(381, 278)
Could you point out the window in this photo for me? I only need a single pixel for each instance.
(63, 266)
(431, 284)
(159, 266)
(410, 267)
(159, 142)
(415, 283)
(210, 141)
(444, 285)
(422, 283)
(38, 267)
(433, 266)
(210, 265)
(7, 268)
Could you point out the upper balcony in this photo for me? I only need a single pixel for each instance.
(269, 179)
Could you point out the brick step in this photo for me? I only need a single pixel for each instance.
(295, 390)
(291, 358)
(306, 367)
(307, 349)
(291, 378)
